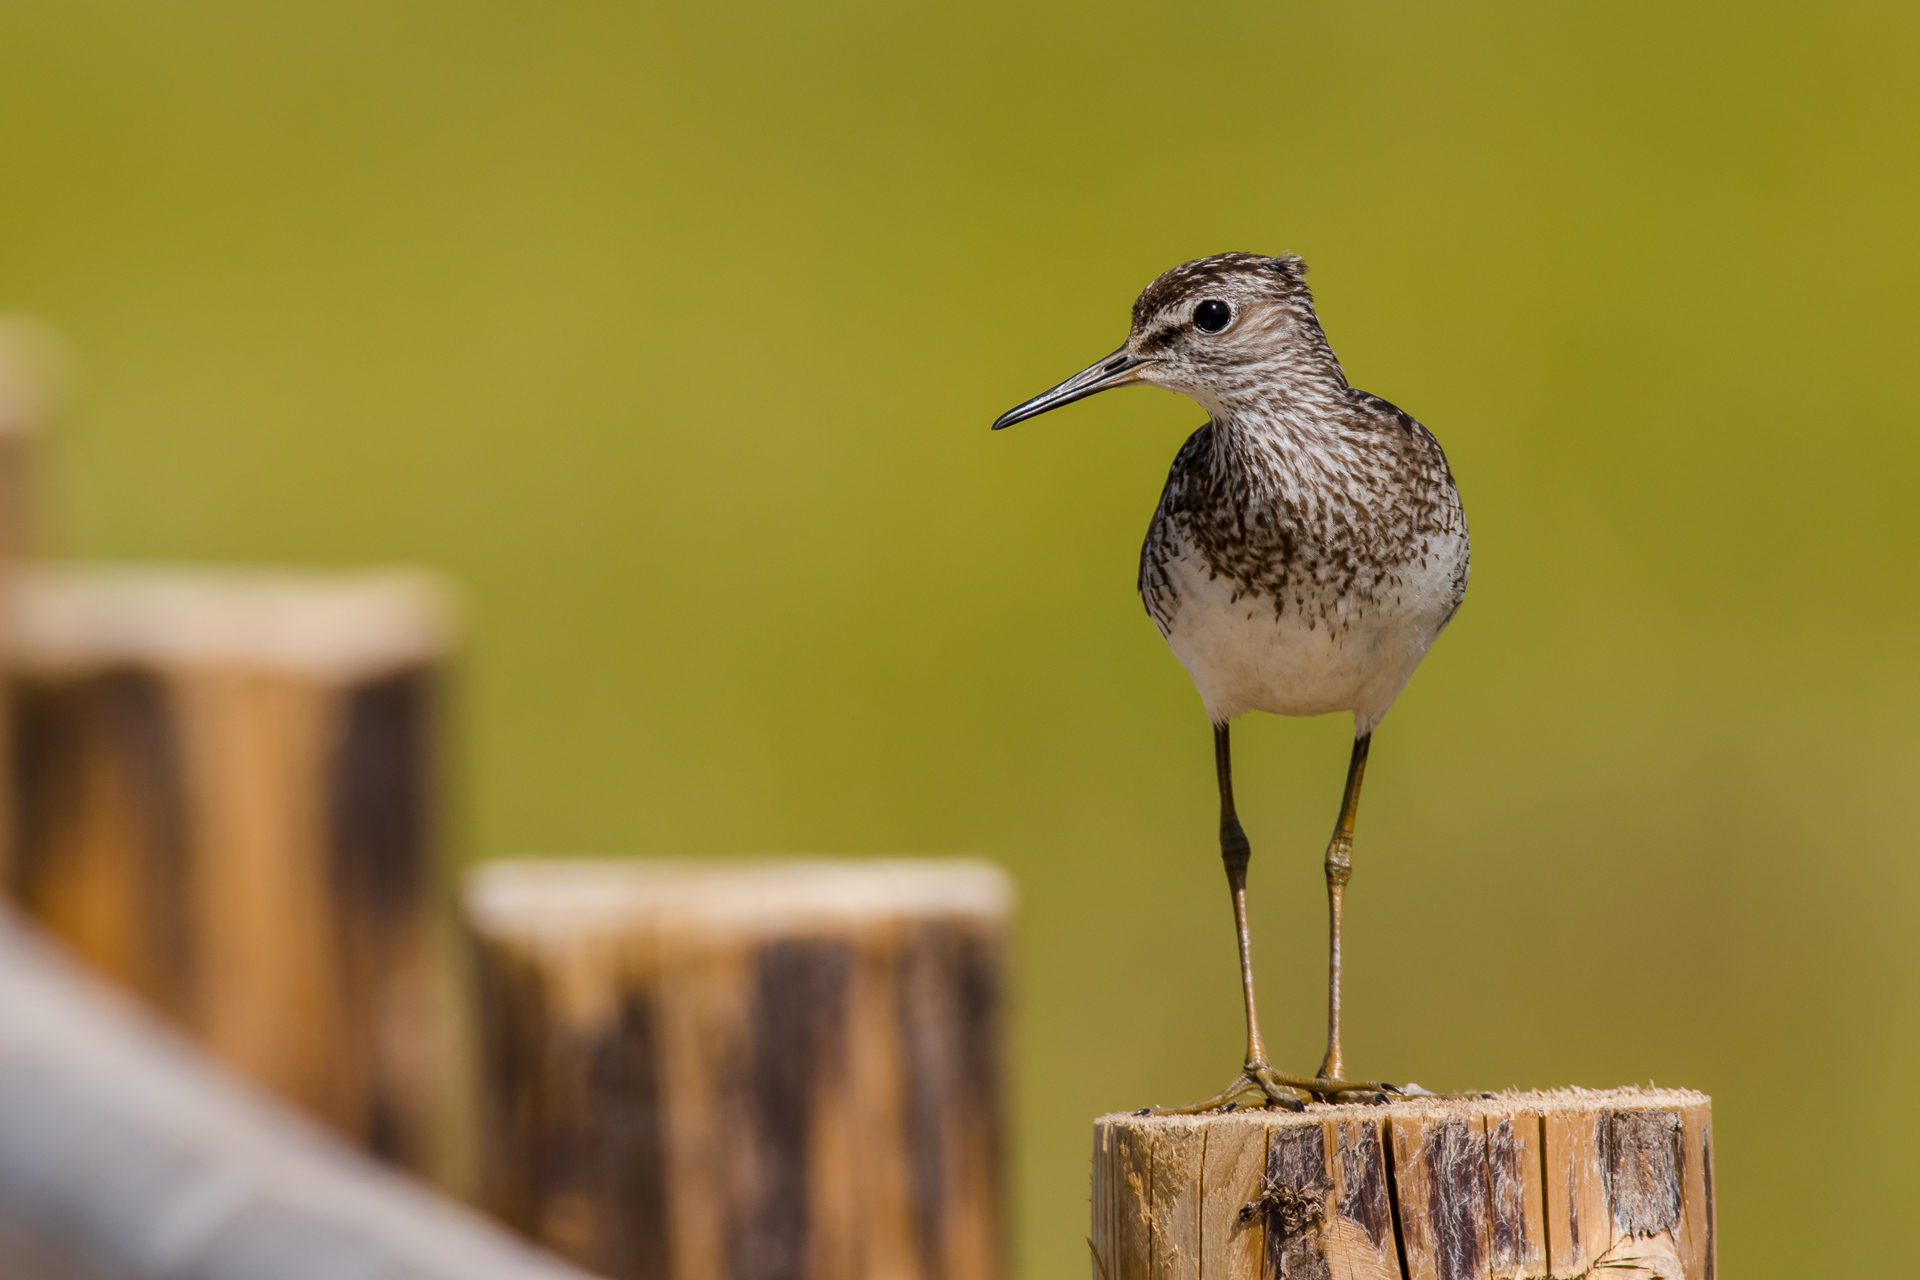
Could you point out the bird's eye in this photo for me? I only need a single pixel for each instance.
(1211, 316)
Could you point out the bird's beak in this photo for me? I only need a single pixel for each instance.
(1117, 370)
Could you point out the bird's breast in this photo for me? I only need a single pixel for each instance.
(1306, 629)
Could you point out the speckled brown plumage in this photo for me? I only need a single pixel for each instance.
(1314, 505)
(1371, 500)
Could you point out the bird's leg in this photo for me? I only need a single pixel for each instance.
(1235, 853)
(1339, 871)
(1257, 1075)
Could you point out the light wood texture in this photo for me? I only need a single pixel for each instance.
(1516, 1194)
(745, 1071)
(1578, 1230)
(1522, 1186)
(1233, 1166)
(223, 788)
(124, 1153)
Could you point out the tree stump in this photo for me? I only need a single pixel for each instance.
(756, 1071)
(1564, 1183)
(222, 792)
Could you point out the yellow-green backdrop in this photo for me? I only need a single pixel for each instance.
(672, 332)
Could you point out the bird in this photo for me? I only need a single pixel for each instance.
(1308, 548)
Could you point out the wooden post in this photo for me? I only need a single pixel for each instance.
(223, 787)
(124, 1154)
(762, 1071)
(1557, 1184)
(33, 383)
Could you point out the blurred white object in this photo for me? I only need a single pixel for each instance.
(124, 1155)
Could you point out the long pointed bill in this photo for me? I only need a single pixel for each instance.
(1117, 370)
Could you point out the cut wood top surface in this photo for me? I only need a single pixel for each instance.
(1632, 1097)
(341, 626)
(566, 900)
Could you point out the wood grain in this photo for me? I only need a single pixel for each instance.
(1365, 1246)
(1297, 1197)
(1579, 1231)
(1519, 1186)
(1440, 1174)
(1178, 1149)
(1697, 1225)
(1517, 1232)
(1233, 1168)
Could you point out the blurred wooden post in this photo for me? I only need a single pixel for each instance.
(764, 1071)
(125, 1154)
(223, 786)
(1558, 1184)
(33, 389)
(33, 384)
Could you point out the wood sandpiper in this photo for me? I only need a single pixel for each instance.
(1308, 548)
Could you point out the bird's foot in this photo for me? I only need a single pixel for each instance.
(1338, 1089)
(1249, 1088)
(1261, 1086)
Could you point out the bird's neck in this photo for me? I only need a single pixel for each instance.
(1297, 411)
(1293, 386)
(1282, 448)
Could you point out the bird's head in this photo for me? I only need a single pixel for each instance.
(1221, 330)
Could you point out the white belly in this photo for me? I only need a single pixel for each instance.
(1337, 653)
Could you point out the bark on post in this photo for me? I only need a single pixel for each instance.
(124, 1155)
(1561, 1184)
(745, 1071)
(223, 788)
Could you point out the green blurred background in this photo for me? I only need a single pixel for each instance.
(672, 333)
